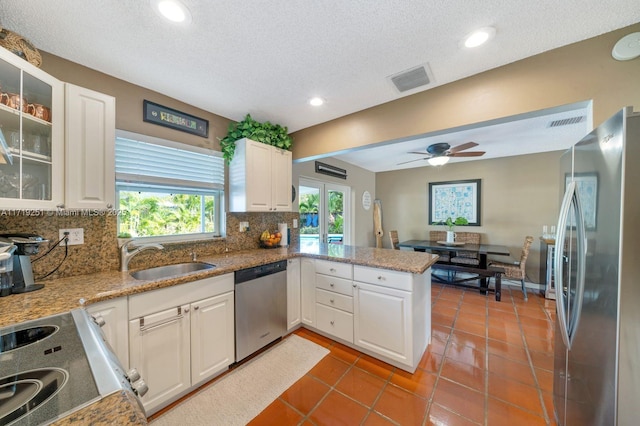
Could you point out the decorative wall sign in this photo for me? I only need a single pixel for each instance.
(454, 199)
(366, 200)
(174, 119)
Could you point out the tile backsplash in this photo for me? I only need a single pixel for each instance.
(100, 249)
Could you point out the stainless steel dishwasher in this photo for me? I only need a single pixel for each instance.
(261, 307)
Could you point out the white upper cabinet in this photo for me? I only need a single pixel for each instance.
(90, 123)
(31, 135)
(259, 178)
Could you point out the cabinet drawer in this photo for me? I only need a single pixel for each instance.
(383, 277)
(335, 300)
(339, 285)
(335, 269)
(335, 322)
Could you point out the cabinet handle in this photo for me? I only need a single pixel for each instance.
(331, 300)
(158, 324)
(332, 323)
(60, 206)
(195, 308)
(354, 285)
(109, 205)
(381, 278)
(332, 270)
(332, 285)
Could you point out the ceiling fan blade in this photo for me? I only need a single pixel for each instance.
(420, 152)
(462, 147)
(411, 161)
(467, 154)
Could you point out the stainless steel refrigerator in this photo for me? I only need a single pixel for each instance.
(597, 273)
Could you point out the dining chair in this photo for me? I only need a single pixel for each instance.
(467, 257)
(515, 270)
(439, 236)
(393, 236)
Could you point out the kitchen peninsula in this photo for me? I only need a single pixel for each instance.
(382, 298)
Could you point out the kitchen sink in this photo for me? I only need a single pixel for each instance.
(170, 270)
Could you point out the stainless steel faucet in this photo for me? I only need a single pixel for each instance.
(126, 255)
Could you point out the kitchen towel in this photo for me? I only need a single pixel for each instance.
(284, 240)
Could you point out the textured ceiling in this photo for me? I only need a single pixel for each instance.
(269, 58)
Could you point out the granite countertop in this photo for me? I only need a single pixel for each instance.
(65, 294)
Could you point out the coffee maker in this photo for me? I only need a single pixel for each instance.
(26, 246)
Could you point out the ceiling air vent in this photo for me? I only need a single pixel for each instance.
(567, 121)
(411, 78)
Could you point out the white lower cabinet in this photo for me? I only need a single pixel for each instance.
(181, 336)
(335, 322)
(212, 336)
(383, 320)
(160, 350)
(308, 291)
(392, 314)
(115, 327)
(293, 293)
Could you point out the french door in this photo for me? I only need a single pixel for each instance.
(325, 212)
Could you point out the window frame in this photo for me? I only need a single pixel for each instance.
(125, 182)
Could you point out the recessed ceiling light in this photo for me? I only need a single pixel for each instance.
(479, 37)
(173, 10)
(316, 101)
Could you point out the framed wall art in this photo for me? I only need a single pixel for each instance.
(460, 198)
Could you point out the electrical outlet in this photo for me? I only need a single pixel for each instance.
(76, 236)
(295, 223)
(244, 226)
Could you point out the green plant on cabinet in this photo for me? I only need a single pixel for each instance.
(267, 133)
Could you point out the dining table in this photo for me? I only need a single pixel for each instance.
(482, 272)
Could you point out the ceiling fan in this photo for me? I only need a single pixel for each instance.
(438, 153)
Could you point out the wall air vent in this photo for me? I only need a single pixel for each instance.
(327, 169)
(412, 78)
(567, 121)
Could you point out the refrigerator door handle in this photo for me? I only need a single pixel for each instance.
(568, 326)
(581, 250)
(558, 264)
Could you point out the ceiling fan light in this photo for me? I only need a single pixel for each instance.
(438, 161)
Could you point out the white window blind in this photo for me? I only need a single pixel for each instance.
(161, 163)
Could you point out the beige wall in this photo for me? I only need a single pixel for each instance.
(129, 99)
(359, 180)
(578, 72)
(519, 195)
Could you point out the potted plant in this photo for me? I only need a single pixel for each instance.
(451, 224)
(267, 133)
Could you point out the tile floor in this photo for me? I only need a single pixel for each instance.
(489, 363)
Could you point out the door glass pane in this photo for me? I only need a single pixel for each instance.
(335, 217)
(309, 208)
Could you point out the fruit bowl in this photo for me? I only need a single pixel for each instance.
(270, 239)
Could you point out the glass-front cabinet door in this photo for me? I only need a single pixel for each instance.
(31, 135)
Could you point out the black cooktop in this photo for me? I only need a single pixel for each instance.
(44, 372)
